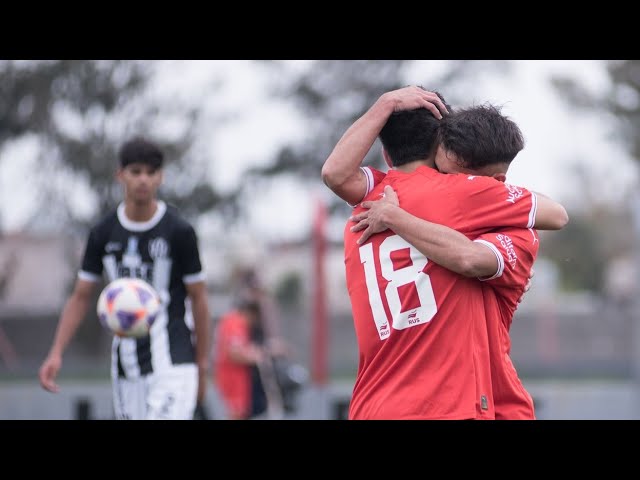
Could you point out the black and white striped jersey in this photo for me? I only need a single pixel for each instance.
(164, 252)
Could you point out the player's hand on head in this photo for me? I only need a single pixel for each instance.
(413, 97)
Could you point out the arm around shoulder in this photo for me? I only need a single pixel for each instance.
(341, 170)
(550, 215)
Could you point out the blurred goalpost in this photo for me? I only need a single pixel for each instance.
(320, 327)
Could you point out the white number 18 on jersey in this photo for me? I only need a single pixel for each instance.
(408, 286)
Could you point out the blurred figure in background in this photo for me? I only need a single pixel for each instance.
(238, 350)
(285, 376)
(249, 288)
(253, 374)
(162, 375)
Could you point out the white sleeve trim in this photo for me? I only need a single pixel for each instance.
(368, 175)
(88, 276)
(534, 209)
(498, 255)
(194, 278)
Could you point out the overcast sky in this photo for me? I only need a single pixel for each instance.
(556, 137)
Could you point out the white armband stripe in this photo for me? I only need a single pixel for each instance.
(498, 255)
(88, 276)
(368, 175)
(534, 209)
(194, 278)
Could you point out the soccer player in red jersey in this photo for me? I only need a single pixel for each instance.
(432, 361)
(504, 266)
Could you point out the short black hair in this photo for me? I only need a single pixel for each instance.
(250, 306)
(411, 135)
(481, 135)
(141, 150)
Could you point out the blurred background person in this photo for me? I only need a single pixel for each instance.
(238, 350)
(249, 288)
(254, 377)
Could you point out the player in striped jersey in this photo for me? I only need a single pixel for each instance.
(163, 375)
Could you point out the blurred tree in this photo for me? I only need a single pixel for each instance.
(594, 236)
(599, 233)
(584, 247)
(621, 100)
(78, 113)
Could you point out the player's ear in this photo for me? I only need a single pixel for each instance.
(501, 177)
(386, 157)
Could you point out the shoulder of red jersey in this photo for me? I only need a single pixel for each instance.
(511, 245)
(481, 182)
(373, 177)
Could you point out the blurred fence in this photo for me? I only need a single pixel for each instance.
(575, 358)
(588, 339)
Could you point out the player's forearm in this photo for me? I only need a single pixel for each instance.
(200, 309)
(72, 315)
(550, 215)
(341, 171)
(249, 354)
(441, 244)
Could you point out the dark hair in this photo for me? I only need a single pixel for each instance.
(410, 135)
(250, 306)
(140, 150)
(480, 136)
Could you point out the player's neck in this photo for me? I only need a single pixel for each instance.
(140, 212)
(411, 166)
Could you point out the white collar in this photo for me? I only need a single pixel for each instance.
(141, 226)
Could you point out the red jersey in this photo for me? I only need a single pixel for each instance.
(516, 250)
(373, 177)
(421, 329)
(232, 379)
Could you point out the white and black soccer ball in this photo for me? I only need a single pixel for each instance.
(127, 307)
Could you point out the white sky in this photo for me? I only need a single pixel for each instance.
(556, 137)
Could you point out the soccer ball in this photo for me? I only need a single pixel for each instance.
(127, 307)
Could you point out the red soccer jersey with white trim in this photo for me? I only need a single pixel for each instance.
(421, 329)
(516, 250)
(373, 177)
